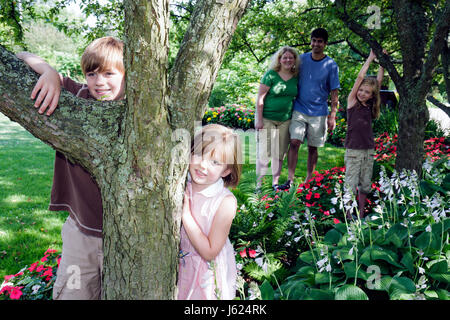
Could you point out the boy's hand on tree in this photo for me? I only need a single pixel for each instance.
(47, 89)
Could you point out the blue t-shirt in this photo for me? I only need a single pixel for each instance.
(315, 82)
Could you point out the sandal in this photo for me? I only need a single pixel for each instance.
(285, 186)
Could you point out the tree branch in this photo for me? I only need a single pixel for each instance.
(200, 57)
(374, 44)
(439, 104)
(83, 130)
(438, 45)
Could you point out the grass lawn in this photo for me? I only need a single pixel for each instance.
(28, 229)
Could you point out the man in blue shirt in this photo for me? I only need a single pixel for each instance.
(318, 78)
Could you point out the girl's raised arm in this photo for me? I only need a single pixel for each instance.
(362, 73)
(209, 246)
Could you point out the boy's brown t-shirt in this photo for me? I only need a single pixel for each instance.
(74, 189)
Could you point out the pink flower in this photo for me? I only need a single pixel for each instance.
(243, 253)
(15, 293)
(6, 289)
(50, 251)
(9, 277)
(251, 253)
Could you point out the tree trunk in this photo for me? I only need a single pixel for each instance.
(413, 117)
(422, 38)
(134, 149)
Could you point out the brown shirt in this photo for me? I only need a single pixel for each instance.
(74, 189)
(359, 128)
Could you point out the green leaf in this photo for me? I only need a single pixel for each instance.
(350, 292)
(443, 294)
(341, 227)
(293, 290)
(320, 294)
(267, 292)
(408, 262)
(398, 230)
(366, 258)
(350, 270)
(307, 257)
(401, 286)
(386, 255)
(332, 237)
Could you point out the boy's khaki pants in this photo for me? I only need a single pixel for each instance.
(80, 270)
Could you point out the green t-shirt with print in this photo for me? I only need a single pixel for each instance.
(279, 100)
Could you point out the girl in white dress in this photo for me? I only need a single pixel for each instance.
(207, 260)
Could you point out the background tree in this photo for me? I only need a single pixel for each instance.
(421, 29)
(127, 146)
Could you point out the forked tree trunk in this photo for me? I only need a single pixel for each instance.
(134, 148)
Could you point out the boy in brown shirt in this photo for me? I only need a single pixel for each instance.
(74, 189)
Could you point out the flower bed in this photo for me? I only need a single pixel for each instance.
(234, 116)
(34, 282)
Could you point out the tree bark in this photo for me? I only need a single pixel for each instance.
(135, 148)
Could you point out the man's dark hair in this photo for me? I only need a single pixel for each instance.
(320, 33)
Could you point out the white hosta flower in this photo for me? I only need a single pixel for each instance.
(351, 251)
(259, 261)
(321, 262)
(428, 228)
(35, 288)
(296, 239)
(421, 270)
(288, 233)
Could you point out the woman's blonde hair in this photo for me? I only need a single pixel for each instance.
(275, 62)
(375, 100)
(215, 139)
(102, 54)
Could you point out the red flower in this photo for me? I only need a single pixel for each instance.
(251, 253)
(15, 293)
(33, 266)
(317, 195)
(336, 221)
(40, 268)
(308, 196)
(243, 253)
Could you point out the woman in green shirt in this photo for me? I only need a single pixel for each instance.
(277, 91)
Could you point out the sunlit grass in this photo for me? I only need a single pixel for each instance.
(27, 228)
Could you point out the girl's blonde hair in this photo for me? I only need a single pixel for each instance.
(375, 100)
(215, 139)
(102, 54)
(275, 62)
